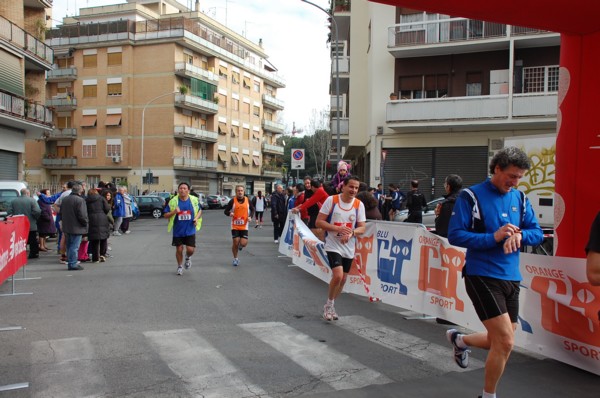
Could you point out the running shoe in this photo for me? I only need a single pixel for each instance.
(334, 314)
(461, 355)
(179, 271)
(256, 226)
(128, 232)
(117, 233)
(327, 315)
(188, 263)
(240, 247)
(276, 241)
(236, 262)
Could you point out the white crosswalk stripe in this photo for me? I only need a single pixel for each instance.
(205, 371)
(66, 368)
(436, 356)
(332, 367)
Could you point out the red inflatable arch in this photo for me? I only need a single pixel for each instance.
(577, 198)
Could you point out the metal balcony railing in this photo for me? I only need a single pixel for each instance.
(191, 70)
(276, 149)
(59, 162)
(446, 30)
(62, 74)
(25, 41)
(67, 133)
(272, 102)
(19, 107)
(196, 103)
(197, 134)
(194, 163)
(273, 126)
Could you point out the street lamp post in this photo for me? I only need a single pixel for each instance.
(142, 152)
(337, 74)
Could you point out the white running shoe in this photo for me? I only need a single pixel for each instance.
(461, 355)
(236, 262)
(334, 314)
(276, 241)
(128, 232)
(188, 263)
(327, 315)
(179, 271)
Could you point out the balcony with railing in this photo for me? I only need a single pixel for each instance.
(62, 102)
(271, 102)
(492, 110)
(21, 114)
(194, 134)
(59, 162)
(273, 127)
(186, 70)
(344, 66)
(197, 104)
(344, 126)
(200, 164)
(63, 134)
(26, 44)
(272, 171)
(61, 75)
(444, 35)
(192, 31)
(273, 149)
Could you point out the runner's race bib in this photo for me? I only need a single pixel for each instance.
(239, 221)
(184, 215)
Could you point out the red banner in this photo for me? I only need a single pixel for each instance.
(13, 245)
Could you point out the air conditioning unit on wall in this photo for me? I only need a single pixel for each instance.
(116, 159)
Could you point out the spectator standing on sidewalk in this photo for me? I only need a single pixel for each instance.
(119, 211)
(278, 212)
(492, 220)
(27, 206)
(415, 202)
(99, 227)
(443, 211)
(74, 224)
(128, 211)
(315, 201)
(45, 223)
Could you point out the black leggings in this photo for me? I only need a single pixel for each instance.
(98, 248)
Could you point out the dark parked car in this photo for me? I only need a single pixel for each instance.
(150, 204)
(213, 201)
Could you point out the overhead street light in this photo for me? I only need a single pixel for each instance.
(142, 152)
(337, 73)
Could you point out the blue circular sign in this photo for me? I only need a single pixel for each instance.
(298, 155)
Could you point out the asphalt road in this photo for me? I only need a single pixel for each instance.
(131, 327)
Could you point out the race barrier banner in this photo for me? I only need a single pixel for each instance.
(13, 245)
(406, 266)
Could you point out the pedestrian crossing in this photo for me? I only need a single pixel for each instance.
(72, 367)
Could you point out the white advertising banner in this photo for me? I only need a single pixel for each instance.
(406, 266)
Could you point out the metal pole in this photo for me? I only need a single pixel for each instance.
(142, 149)
(337, 74)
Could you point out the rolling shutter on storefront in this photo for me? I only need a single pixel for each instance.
(405, 164)
(9, 169)
(470, 163)
(11, 78)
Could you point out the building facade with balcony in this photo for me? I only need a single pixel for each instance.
(460, 87)
(198, 86)
(24, 60)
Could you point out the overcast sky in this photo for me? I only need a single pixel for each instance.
(294, 36)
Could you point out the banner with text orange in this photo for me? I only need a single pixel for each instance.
(406, 266)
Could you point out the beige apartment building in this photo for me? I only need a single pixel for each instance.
(150, 93)
(460, 88)
(24, 60)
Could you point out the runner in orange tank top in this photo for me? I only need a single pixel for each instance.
(241, 211)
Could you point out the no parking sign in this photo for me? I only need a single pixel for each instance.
(297, 159)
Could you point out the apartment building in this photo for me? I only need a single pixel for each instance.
(24, 60)
(459, 88)
(150, 93)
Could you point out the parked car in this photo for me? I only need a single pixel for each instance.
(9, 190)
(150, 204)
(224, 201)
(428, 213)
(164, 195)
(213, 201)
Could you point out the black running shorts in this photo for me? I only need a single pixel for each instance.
(493, 297)
(237, 233)
(189, 241)
(336, 260)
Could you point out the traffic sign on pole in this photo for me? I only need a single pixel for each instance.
(297, 159)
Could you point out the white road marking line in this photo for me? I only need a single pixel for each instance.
(205, 370)
(436, 356)
(332, 367)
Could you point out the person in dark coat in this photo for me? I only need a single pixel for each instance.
(443, 211)
(278, 212)
(45, 223)
(27, 206)
(371, 205)
(74, 223)
(99, 229)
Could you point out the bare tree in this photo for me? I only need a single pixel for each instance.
(319, 142)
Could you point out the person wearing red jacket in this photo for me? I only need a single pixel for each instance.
(318, 198)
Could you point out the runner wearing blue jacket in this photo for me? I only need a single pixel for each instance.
(492, 220)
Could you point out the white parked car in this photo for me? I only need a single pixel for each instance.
(224, 200)
(428, 213)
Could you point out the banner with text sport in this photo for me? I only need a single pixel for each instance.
(13, 245)
(406, 266)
